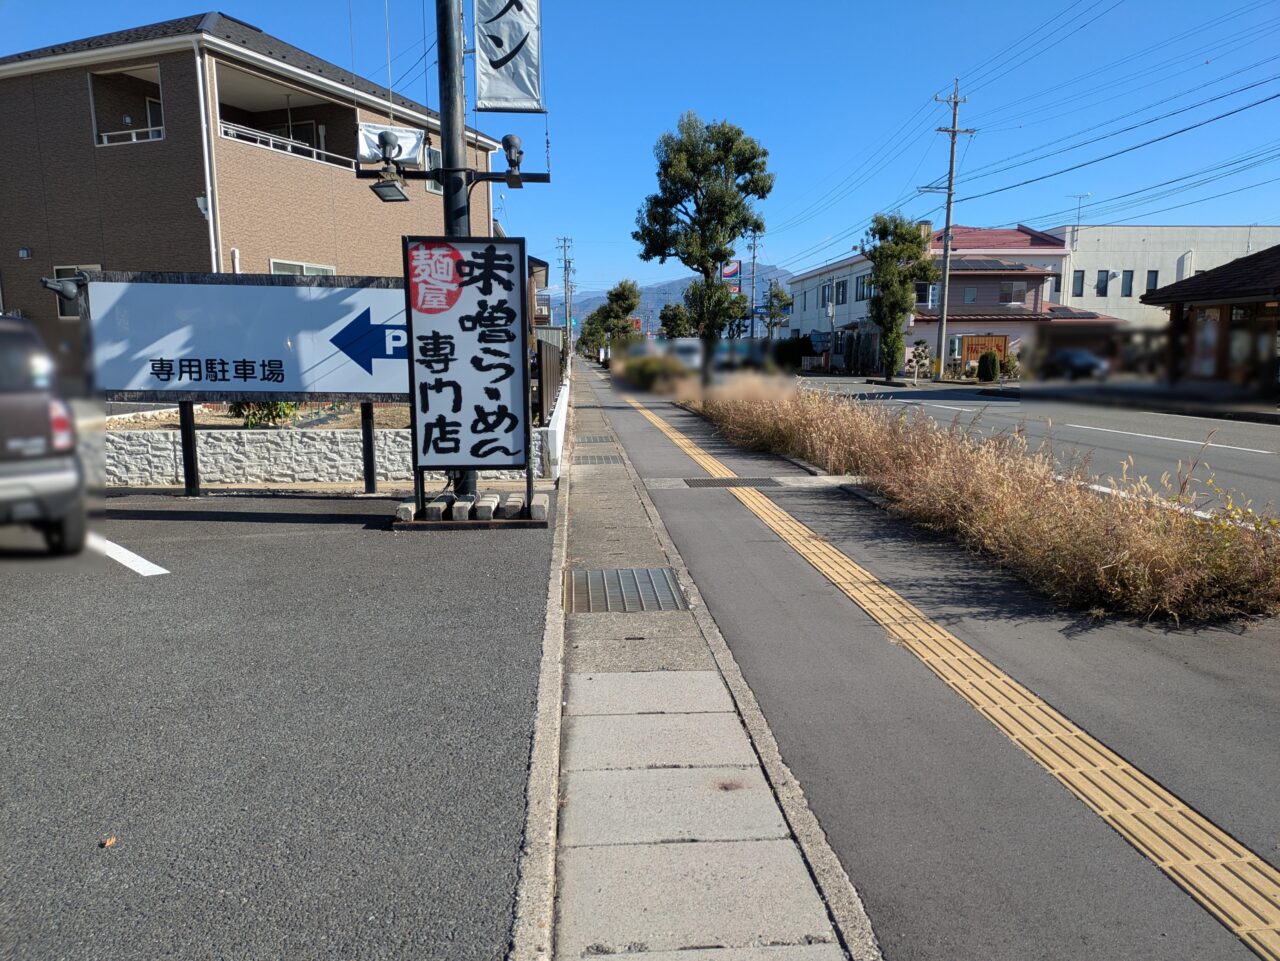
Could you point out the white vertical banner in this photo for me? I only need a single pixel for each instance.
(509, 55)
(468, 352)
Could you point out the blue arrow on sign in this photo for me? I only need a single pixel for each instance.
(364, 341)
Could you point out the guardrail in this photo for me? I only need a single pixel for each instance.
(132, 135)
(261, 138)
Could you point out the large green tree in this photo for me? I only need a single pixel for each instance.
(898, 250)
(610, 323)
(708, 176)
(676, 321)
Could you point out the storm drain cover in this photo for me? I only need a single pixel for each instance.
(595, 439)
(731, 482)
(627, 590)
(597, 459)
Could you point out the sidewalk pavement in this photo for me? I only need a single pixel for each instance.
(672, 841)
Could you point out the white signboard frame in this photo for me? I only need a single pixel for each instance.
(468, 352)
(160, 336)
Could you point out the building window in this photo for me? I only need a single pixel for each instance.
(155, 117)
(1103, 277)
(862, 287)
(971, 295)
(842, 292)
(297, 268)
(1126, 284)
(926, 295)
(1153, 279)
(1077, 283)
(804, 299)
(1057, 283)
(1013, 291)
(67, 309)
(824, 295)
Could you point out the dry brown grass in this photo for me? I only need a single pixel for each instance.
(1146, 550)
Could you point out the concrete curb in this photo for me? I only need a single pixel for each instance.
(844, 906)
(533, 927)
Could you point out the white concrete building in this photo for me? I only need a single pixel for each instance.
(1109, 267)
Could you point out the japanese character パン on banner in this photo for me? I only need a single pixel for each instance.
(468, 352)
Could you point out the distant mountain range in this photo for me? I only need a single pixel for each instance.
(655, 296)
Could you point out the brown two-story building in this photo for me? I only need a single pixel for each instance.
(197, 144)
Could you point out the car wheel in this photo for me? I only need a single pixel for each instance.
(67, 535)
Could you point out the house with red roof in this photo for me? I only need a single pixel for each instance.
(1003, 289)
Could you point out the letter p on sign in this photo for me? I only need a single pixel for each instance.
(396, 338)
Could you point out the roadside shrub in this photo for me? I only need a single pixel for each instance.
(1009, 366)
(1142, 550)
(790, 353)
(652, 372)
(988, 367)
(266, 413)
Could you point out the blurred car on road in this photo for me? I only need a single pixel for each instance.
(1075, 363)
(41, 479)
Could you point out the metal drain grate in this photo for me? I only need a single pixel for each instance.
(731, 482)
(627, 590)
(597, 459)
(587, 406)
(594, 439)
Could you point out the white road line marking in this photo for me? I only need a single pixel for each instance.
(923, 403)
(1174, 440)
(122, 555)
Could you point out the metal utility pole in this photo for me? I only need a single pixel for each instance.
(1075, 237)
(566, 261)
(953, 131)
(754, 244)
(453, 150)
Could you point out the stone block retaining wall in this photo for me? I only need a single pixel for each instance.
(151, 458)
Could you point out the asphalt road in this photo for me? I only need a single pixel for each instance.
(1242, 457)
(310, 738)
(960, 845)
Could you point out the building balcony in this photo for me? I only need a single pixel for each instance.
(299, 148)
(256, 109)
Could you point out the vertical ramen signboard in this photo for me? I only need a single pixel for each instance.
(468, 352)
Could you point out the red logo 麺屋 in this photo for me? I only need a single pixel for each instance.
(433, 277)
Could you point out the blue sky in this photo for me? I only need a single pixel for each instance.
(840, 94)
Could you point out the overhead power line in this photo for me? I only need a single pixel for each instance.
(1117, 153)
(992, 169)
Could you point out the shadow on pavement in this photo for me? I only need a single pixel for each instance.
(365, 520)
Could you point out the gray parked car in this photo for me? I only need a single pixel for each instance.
(41, 479)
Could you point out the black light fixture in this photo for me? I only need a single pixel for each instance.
(511, 147)
(388, 187)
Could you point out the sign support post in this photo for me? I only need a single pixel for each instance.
(190, 463)
(367, 452)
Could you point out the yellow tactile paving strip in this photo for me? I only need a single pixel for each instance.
(1234, 884)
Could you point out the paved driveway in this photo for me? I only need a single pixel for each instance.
(309, 737)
